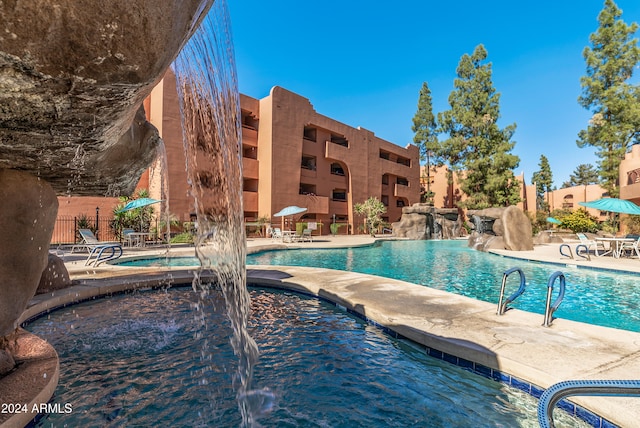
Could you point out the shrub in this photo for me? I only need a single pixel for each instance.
(182, 238)
(580, 221)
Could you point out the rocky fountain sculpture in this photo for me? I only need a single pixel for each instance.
(73, 77)
(505, 228)
(423, 221)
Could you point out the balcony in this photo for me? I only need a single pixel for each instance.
(402, 191)
(335, 151)
(250, 168)
(630, 191)
(250, 201)
(314, 203)
(249, 136)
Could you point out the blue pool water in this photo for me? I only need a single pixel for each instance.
(595, 297)
(145, 359)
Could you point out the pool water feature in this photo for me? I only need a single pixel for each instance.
(129, 360)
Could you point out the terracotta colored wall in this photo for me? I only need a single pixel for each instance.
(569, 197)
(630, 175)
(274, 144)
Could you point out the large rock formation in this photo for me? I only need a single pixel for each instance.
(28, 215)
(54, 277)
(500, 228)
(423, 221)
(72, 80)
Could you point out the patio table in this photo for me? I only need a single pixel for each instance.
(615, 245)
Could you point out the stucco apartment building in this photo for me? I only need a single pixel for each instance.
(292, 155)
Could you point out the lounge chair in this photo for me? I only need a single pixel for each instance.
(99, 251)
(304, 237)
(592, 245)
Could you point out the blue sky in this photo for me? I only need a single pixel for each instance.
(363, 63)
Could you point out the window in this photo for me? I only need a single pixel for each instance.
(308, 162)
(249, 120)
(250, 185)
(385, 179)
(310, 133)
(385, 200)
(307, 189)
(400, 203)
(404, 161)
(339, 195)
(249, 152)
(384, 155)
(336, 169)
(402, 181)
(341, 141)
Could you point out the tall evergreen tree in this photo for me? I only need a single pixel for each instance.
(583, 175)
(615, 103)
(426, 138)
(476, 144)
(544, 181)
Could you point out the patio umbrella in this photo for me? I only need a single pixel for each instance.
(613, 205)
(138, 203)
(289, 211)
(553, 220)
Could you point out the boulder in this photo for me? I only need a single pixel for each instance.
(54, 277)
(411, 226)
(27, 216)
(510, 224)
(7, 363)
(518, 235)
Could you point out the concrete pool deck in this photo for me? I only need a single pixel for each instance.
(515, 343)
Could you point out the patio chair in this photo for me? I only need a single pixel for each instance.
(276, 234)
(306, 236)
(632, 247)
(127, 237)
(592, 244)
(99, 251)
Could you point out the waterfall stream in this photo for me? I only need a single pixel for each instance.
(210, 105)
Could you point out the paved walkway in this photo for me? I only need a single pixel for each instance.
(515, 343)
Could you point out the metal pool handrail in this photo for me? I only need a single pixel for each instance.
(502, 306)
(551, 308)
(557, 392)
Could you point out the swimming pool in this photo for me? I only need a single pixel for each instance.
(595, 297)
(141, 360)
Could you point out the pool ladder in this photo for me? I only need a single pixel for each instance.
(550, 308)
(555, 393)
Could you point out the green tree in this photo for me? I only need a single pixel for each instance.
(583, 175)
(544, 182)
(372, 210)
(426, 137)
(476, 143)
(614, 102)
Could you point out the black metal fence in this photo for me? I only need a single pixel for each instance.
(66, 229)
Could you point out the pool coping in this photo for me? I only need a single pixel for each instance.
(351, 291)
